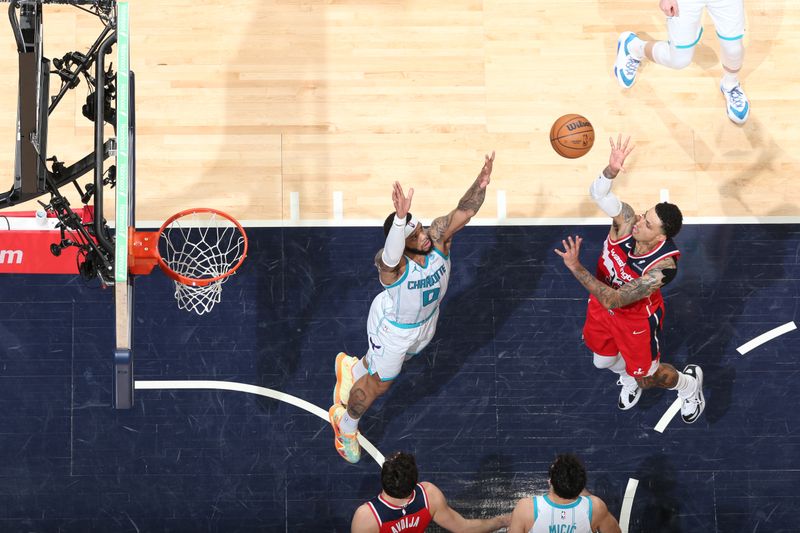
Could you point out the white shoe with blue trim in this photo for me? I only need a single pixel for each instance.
(625, 66)
(737, 104)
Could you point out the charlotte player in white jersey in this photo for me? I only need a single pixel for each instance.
(414, 269)
(567, 507)
(684, 24)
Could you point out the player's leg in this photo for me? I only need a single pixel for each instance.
(345, 420)
(383, 367)
(631, 392)
(639, 341)
(599, 338)
(350, 369)
(684, 33)
(688, 384)
(728, 16)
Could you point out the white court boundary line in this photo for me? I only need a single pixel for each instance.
(673, 409)
(667, 417)
(566, 221)
(766, 337)
(260, 391)
(627, 504)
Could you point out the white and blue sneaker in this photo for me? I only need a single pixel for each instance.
(737, 104)
(625, 66)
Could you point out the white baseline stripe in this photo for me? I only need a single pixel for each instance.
(576, 221)
(261, 391)
(668, 416)
(501, 205)
(766, 337)
(294, 206)
(338, 206)
(664, 195)
(627, 504)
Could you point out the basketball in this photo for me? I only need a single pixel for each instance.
(572, 136)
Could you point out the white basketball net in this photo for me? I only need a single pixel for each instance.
(201, 246)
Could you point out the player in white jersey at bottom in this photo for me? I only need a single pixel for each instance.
(414, 268)
(567, 507)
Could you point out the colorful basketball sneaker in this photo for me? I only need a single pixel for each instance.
(692, 407)
(629, 395)
(626, 65)
(737, 104)
(346, 444)
(344, 378)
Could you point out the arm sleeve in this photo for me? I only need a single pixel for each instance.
(600, 189)
(395, 243)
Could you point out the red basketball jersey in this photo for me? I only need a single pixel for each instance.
(413, 517)
(618, 265)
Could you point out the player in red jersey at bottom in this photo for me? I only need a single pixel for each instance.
(408, 506)
(626, 310)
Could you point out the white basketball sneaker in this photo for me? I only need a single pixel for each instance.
(692, 407)
(737, 104)
(625, 66)
(629, 395)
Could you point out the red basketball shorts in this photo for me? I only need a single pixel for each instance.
(636, 336)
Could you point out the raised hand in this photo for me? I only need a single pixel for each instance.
(486, 172)
(619, 152)
(669, 7)
(402, 203)
(571, 253)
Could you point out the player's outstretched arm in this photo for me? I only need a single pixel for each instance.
(659, 275)
(443, 228)
(622, 214)
(388, 258)
(446, 517)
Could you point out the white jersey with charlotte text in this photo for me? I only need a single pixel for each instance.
(415, 297)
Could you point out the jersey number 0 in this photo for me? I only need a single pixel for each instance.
(430, 296)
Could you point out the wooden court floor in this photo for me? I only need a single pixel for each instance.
(306, 111)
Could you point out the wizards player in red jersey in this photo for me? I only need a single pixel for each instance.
(625, 317)
(408, 506)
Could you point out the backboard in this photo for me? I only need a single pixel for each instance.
(124, 214)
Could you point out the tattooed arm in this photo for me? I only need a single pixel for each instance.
(609, 297)
(622, 224)
(443, 228)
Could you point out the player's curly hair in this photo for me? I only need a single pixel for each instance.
(567, 476)
(399, 475)
(671, 218)
(387, 225)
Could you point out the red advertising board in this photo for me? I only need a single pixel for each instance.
(25, 240)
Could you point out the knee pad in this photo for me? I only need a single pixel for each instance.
(732, 53)
(671, 56)
(604, 361)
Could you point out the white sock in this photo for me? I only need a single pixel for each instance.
(619, 367)
(359, 370)
(348, 425)
(686, 386)
(730, 80)
(636, 48)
